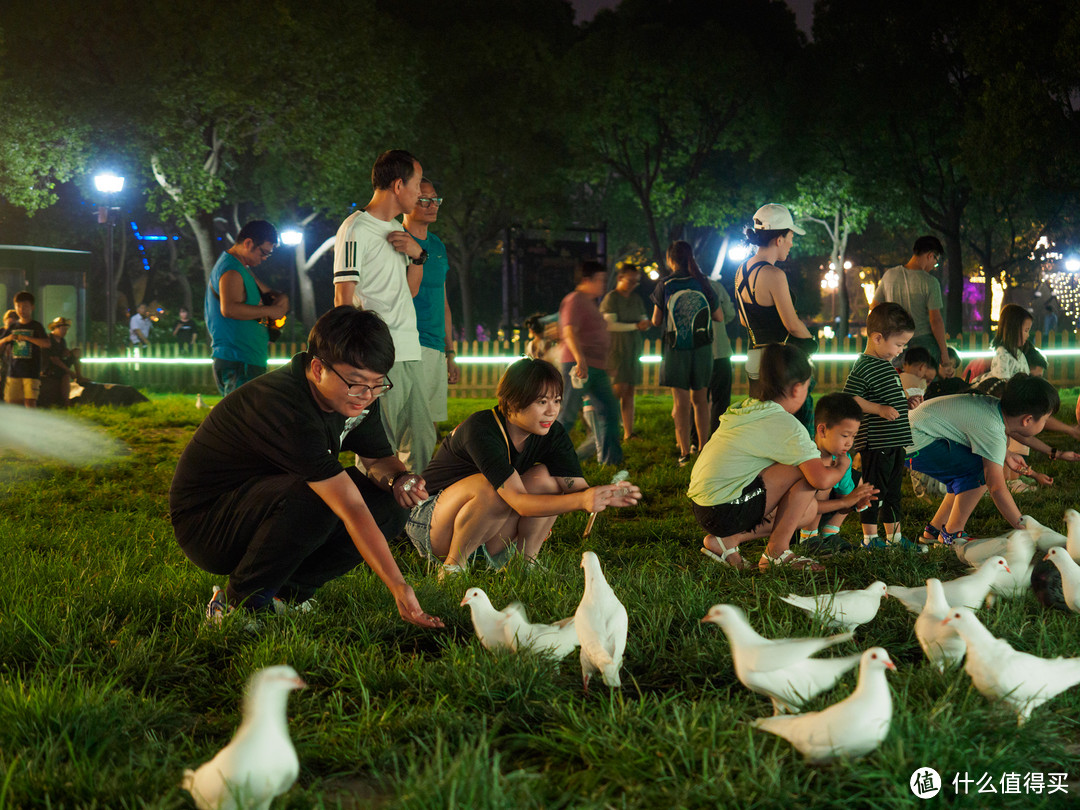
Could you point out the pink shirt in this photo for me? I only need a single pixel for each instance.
(590, 328)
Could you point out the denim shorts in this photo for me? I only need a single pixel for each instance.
(952, 464)
(418, 528)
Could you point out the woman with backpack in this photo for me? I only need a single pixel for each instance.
(763, 296)
(685, 307)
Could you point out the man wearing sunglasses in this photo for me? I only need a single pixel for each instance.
(433, 320)
(259, 493)
(378, 266)
(234, 306)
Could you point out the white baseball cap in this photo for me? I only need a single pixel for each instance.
(773, 217)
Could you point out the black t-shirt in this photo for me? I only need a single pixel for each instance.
(270, 426)
(478, 445)
(58, 349)
(24, 358)
(185, 331)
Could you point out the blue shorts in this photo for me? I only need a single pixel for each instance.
(418, 528)
(954, 465)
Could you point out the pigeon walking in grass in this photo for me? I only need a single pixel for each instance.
(486, 620)
(1072, 526)
(601, 624)
(260, 763)
(557, 640)
(851, 728)
(1023, 681)
(781, 669)
(969, 591)
(1070, 576)
(1044, 537)
(845, 610)
(941, 643)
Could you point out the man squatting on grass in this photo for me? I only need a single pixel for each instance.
(259, 493)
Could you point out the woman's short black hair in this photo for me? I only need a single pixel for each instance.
(525, 381)
(782, 365)
(355, 337)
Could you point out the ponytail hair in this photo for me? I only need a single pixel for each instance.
(782, 366)
(681, 255)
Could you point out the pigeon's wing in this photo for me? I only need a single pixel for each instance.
(618, 627)
(911, 598)
(592, 642)
(784, 652)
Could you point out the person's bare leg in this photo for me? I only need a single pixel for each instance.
(943, 511)
(625, 393)
(778, 479)
(468, 514)
(700, 400)
(680, 414)
(797, 508)
(963, 505)
(533, 531)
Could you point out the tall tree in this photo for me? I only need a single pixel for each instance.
(666, 87)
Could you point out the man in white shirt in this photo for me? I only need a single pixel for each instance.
(376, 267)
(139, 327)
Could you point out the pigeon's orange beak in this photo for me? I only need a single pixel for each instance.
(1046, 556)
(464, 601)
(300, 683)
(890, 665)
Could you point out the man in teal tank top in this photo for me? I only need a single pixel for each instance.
(234, 306)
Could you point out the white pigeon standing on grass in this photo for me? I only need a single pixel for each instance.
(1070, 576)
(486, 620)
(999, 672)
(1044, 537)
(260, 763)
(843, 609)
(941, 643)
(601, 624)
(1020, 556)
(781, 669)
(558, 639)
(969, 591)
(851, 728)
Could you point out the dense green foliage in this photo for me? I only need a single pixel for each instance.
(111, 682)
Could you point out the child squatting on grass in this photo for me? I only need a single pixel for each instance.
(884, 433)
(836, 423)
(759, 473)
(498, 482)
(961, 441)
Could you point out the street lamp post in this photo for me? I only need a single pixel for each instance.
(108, 184)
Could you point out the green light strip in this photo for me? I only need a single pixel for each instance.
(507, 359)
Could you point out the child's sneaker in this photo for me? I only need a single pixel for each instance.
(907, 545)
(874, 543)
(824, 546)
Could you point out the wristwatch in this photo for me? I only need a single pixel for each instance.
(421, 258)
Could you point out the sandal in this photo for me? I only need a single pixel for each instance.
(930, 535)
(1019, 485)
(723, 557)
(788, 560)
(957, 538)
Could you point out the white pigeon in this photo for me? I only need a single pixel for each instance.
(1070, 576)
(199, 402)
(941, 643)
(969, 591)
(557, 640)
(601, 624)
(1072, 526)
(853, 727)
(843, 609)
(260, 763)
(780, 669)
(1045, 537)
(1020, 556)
(486, 620)
(999, 672)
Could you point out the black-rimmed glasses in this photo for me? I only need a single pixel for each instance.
(427, 202)
(359, 389)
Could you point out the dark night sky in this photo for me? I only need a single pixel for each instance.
(804, 10)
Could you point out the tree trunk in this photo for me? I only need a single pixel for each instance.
(304, 287)
(464, 274)
(202, 225)
(954, 304)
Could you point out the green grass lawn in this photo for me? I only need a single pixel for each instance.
(111, 682)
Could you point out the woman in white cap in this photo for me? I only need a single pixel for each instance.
(761, 289)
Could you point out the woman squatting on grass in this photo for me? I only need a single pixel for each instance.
(760, 472)
(501, 478)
